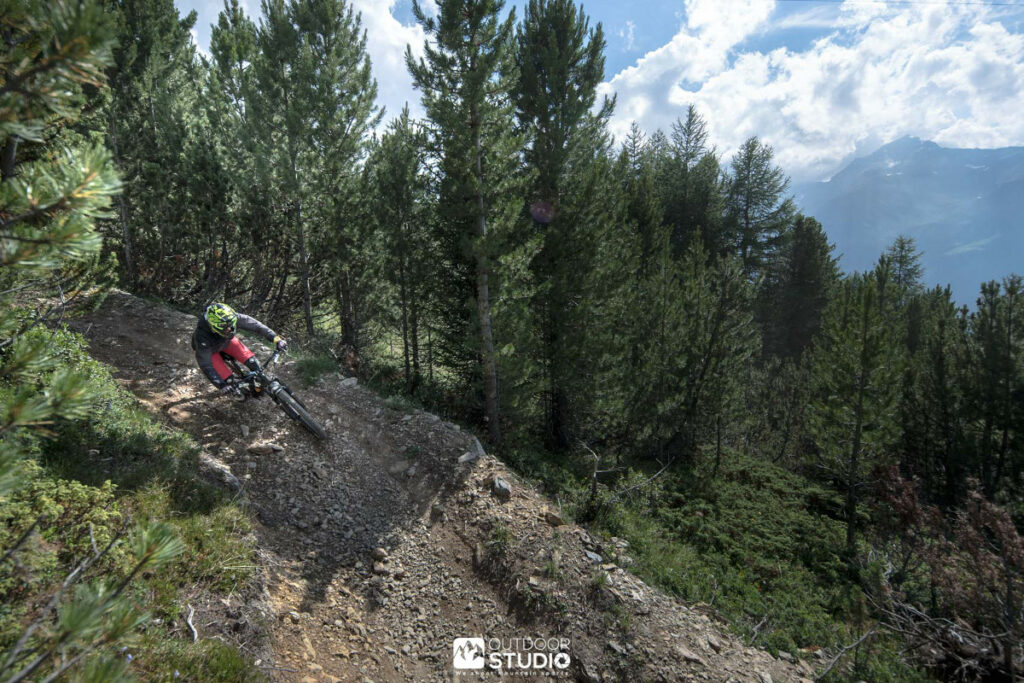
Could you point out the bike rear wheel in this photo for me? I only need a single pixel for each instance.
(297, 411)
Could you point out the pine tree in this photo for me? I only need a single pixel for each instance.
(796, 289)
(757, 212)
(146, 128)
(560, 64)
(397, 180)
(906, 267)
(312, 103)
(690, 187)
(996, 375)
(854, 369)
(932, 409)
(698, 336)
(54, 188)
(465, 77)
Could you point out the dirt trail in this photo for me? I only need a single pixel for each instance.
(462, 556)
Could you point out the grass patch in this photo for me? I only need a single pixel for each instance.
(312, 367)
(500, 541)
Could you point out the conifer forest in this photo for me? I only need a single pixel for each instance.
(651, 331)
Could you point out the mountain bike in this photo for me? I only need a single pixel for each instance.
(257, 383)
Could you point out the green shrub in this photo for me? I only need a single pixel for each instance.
(85, 479)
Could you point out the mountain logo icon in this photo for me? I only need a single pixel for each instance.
(468, 653)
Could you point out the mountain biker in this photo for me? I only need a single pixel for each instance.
(215, 335)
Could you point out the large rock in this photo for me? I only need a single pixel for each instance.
(218, 472)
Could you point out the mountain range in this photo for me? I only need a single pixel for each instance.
(963, 207)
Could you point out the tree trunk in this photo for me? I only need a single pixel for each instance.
(307, 303)
(8, 157)
(126, 234)
(855, 448)
(414, 333)
(347, 312)
(403, 294)
(483, 303)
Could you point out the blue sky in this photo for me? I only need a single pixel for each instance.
(820, 81)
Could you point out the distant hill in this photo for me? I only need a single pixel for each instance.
(964, 207)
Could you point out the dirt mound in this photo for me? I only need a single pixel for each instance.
(382, 546)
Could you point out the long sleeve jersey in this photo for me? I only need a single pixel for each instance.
(206, 342)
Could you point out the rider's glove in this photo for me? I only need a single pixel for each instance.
(282, 345)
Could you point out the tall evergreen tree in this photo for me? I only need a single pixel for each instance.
(560, 64)
(796, 289)
(757, 212)
(151, 98)
(854, 370)
(995, 380)
(466, 75)
(398, 184)
(691, 188)
(906, 267)
(313, 102)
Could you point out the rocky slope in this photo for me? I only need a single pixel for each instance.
(399, 534)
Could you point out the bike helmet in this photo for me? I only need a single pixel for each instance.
(221, 318)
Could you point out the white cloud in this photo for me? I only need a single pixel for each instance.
(628, 35)
(199, 46)
(953, 74)
(386, 40)
(977, 245)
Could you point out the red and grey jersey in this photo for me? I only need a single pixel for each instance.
(206, 343)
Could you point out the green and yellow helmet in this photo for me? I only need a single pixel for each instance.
(221, 318)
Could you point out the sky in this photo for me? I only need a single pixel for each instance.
(821, 81)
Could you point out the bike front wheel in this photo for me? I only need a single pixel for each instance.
(297, 411)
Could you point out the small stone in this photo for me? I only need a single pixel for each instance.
(501, 489)
(593, 557)
(294, 616)
(553, 518)
(245, 431)
(379, 568)
(315, 668)
(467, 457)
(478, 448)
(689, 656)
(350, 382)
(379, 554)
(714, 644)
(764, 676)
(786, 657)
(276, 448)
(406, 650)
(616, 648)
(261, 449)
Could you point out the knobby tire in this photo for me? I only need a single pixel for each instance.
(293, 406)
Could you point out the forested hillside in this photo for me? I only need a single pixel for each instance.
(829, 462)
